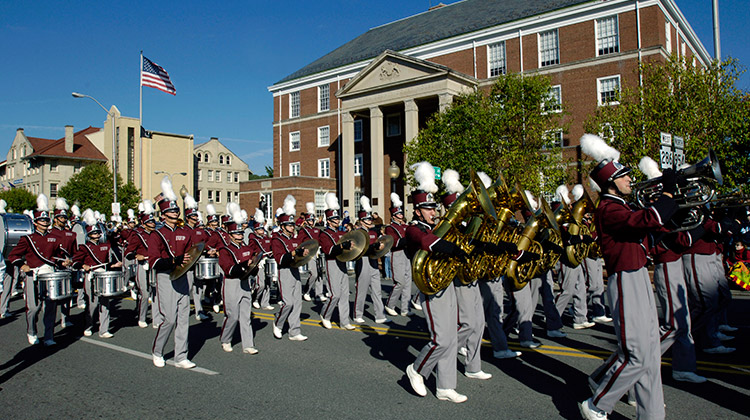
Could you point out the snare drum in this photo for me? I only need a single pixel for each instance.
(108, 283)
(207, 268)
(55, 286)
(272, 270)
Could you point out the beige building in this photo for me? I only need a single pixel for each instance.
(218, 173)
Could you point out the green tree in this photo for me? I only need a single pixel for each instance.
(509, 129)
(702, 105)
(92, 188)
(18, 199)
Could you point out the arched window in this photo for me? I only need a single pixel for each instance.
(200, 156)
(229, 160)
(221, 159)
(206, 158)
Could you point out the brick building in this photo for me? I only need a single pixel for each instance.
(341, 121)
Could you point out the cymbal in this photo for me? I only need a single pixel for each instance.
(310, 244)
(252, 267)
(360, 242)
(386, 243)
(194, 252)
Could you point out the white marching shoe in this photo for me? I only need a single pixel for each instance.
(478, 375)
(685, 376)
(227, 347)
(450, 395)
(158, 361)
(416, 380)
(185, 364)
(590, 412)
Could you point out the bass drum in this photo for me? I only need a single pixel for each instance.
(12, 228)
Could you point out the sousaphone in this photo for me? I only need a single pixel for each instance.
(193, 252)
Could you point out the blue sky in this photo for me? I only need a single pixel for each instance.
(221, 57)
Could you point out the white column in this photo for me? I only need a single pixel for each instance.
(444, 100)
(377, 168)
(347, 163)
(411, 128)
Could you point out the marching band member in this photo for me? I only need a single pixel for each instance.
(314, 281)
(368, 275)
(68, 245)
(198, 235)
(237, 288)
(95, 255)
(622, 232)
(214, 243)
(37, 254)
(262, 281)
(285, 245)
(400, 264)
(137, 251)
(594, 269)
(337, 275)
(127, 235)
(167, 248)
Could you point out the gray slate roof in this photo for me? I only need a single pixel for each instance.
(452, 20)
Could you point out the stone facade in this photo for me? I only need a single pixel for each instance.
(218, 173)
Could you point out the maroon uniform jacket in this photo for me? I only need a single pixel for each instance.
(138, 244)
(36, 250)
(328, 238)
(165, 244)
(372, 234)
(309, 233)
(707, 245)
(233, 259)
(223, 236)
(92, 254)
(67, 239)
(671, 247)
(419, 236)
(623, 230)
(261, 243)
(398, 232)
(214, 240)
(282, 247)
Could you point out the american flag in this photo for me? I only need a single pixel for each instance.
(153, 75)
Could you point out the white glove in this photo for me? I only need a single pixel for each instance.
(261, 264)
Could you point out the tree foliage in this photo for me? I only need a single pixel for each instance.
(18, 199)
(702, 105)
(93, 188)
(507, 129)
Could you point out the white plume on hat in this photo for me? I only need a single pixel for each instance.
(563, 194)
(332, 202)
(131, 214)
(649, 167)
(598, 149)
(89, 217)
(594, 185)
(310, 207)
(424, 173)
(200, 216)
(486, 180)
(61, 204)
(148, 208)
(259, 216)
(237, 215)
(166, 189)
(29, 213)
(365, 203)
(42, 203)
(75, 210)
(210, 210)
(190, 202)
(244, 215)
(231, 208)
(289, 203)
(532, 201)
(452, 182)
(2, 206)
(577, 192)
(140, 207)
(279, 212)
(396, 200)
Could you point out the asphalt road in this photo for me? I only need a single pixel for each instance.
(335, 374)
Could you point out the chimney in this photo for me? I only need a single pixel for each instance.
(68, 139)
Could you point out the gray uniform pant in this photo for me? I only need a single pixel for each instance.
(238, 309)
(174, 309)
(595, 280)
(492, 302)
(196, 291)
(314, 285)
(338, 286)
(96, 304)
(539, 285)
(10, 280)
(573, 287)
(401, 272)
(440, 352)
(263, 288)
(705, 299)
(141, 284)
(34, 305)
(290, 293)
(674, 315)
(470, 323)
(368, 279)
(637, 362)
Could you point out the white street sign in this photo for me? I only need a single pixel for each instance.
(666, 139)
(666, 157)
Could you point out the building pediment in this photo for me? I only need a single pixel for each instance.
(393, 70)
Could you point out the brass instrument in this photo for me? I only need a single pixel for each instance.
(699, 188)
(522, 273)
(735, 198)
(576, 253)
(194, 252)
(311, 245)
(360, 242)
(252, 267)
(386, 242)
(550, 234)
(433, 273)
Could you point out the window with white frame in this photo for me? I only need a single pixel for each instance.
(496, 59)
(324, 98)
(267, 200)
(210, 196)
(52, 190)
(357, 130)
(607, 132)
(294, 104)
(553, 139)
(324, 136)
(608, 89)
(320, 203)
(294, 169)
(324, 168)
(200, 174)
(229, 176)
(199, 156)
(553, 103)
(236, 197)
(206, 158)
(668, 33)
(210, 175)
(357, 203)
(549, 52)
(236, 177)
(218, 196)
(358, 164)
(393, 125)
(198, 195)
(229, 160)
(607, 36)
(294, 142)
(221, 159)
(53, 165)
(218, 176)
(229, 196)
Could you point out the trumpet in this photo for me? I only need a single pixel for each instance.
(735, 198)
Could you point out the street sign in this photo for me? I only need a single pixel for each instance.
(115, 208)
(679, 142)
(438, 173)
(679, 158)
(666, 157)
(666, 139)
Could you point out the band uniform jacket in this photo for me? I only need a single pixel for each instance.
(282, 246)
(36, 250)
(214, 239)
(137, 244)
(262, 243)
(165, 244)
(328, 238)
(67, 239)
(419, 236)
(398, 232)
(233, 259)
(92, 254)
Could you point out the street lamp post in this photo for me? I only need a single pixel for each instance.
(393, 172)
(114, 143)
(183, 190)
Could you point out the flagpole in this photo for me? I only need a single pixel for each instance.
(140, 120)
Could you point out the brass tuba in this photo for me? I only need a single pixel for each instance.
(433, 273)
(550, 234)
(576, 253)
